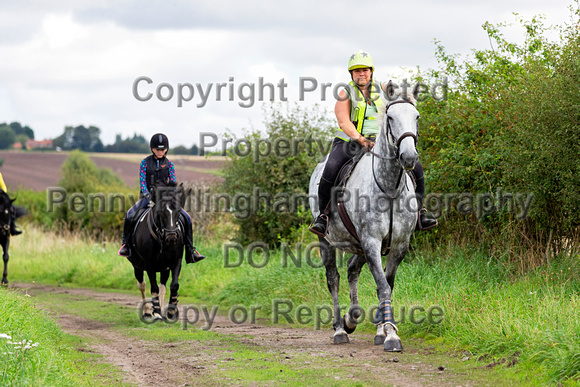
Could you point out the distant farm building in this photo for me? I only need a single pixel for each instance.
(33, 144)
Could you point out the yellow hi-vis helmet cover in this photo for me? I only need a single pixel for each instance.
(359, 60)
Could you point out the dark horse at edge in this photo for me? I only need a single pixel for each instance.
(7, 211)
(157, 247)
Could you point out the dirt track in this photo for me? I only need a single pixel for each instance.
(185, 362)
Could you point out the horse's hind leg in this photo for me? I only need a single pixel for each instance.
(352, 318)
(328, 254)
(163, 277)
(5, 259)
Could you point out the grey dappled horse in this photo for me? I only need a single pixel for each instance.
(383, 209)
(158, 248)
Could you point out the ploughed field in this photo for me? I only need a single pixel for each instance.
(39, 170)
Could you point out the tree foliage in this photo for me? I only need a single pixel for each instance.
(135, 144)
(512, 122)
(273, 170)
(7, 137)
(81, 138)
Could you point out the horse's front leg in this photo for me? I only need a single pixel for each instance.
(386, 328)
(352, 318)
(5, 259)
(328, 254)
(172, 311)
(155, 295)
(392, 341)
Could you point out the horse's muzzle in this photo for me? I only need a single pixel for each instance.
(408, 159)
(171, 237)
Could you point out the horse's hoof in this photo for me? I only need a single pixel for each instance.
(341, 339)
(380, 339)
(172, 314)
(347, 329)
(393, 346)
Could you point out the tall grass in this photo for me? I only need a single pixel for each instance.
(487, 310)
(35, 352)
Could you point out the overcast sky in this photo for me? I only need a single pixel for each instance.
(76, 62)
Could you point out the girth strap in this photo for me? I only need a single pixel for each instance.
(345, 218)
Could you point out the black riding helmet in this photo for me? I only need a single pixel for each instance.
(159, 141)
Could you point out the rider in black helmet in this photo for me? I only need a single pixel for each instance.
(154, 168)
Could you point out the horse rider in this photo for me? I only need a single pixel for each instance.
(154, 168)
(13, 229)
(356, 111)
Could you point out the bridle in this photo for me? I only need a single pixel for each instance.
(161, 232)
(392, 140)
(395, 143)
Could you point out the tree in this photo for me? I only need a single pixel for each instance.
(275, 177)
(81, 138)
(7, 137)
(19, 129)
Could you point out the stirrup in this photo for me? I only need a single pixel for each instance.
(124, 251)
(320, 225)
(420, 225)
(193, 256)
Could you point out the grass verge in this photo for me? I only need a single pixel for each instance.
(528, 323)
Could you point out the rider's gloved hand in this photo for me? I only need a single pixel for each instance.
(147, 196)
(368, 144)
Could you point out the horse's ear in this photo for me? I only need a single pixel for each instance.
(391, 92)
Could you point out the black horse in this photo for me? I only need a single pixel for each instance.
(6, 214)
(157, 247)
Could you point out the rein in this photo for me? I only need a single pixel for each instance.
(397, 190)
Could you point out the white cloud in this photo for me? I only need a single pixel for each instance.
(72, 63)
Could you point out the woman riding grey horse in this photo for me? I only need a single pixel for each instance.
(356, 111)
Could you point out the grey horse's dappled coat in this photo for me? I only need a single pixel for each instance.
(380, 200)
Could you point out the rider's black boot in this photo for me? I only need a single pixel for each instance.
(320, 225)
(13, 229)
(125, 251)
(191, 253)
(425, 220)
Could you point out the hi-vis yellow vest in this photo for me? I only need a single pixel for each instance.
(2, 184)
(358, 106)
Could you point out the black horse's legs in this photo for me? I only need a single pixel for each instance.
(154, 295)
(147, 310)
(5, 246)
(351, 319)
(172, 311)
